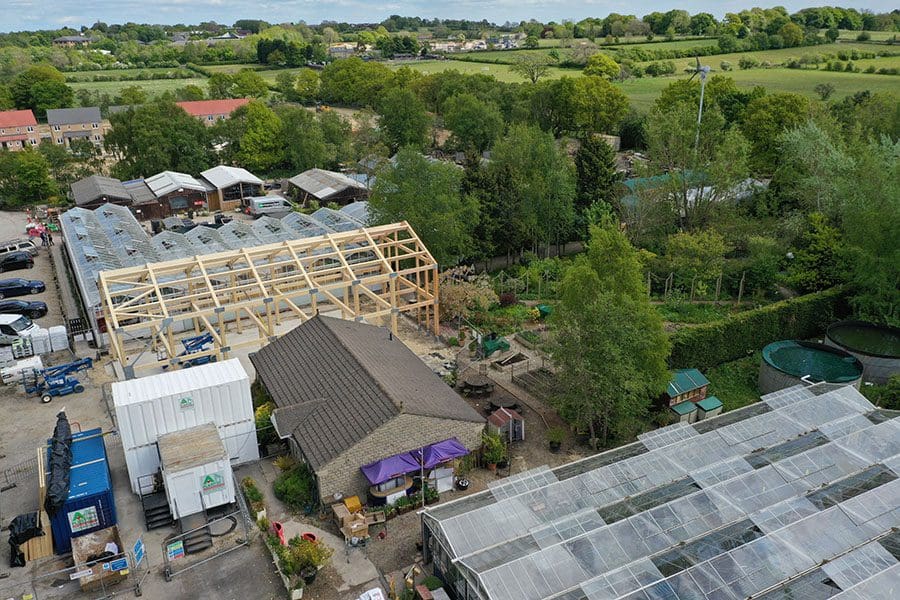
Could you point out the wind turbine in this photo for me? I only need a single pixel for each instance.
(703, 71)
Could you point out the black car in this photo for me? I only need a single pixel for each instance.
(20, 287)
(32, 310)
(13, 261)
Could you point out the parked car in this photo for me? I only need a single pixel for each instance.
(18, 245)
(20, 287)
(12, 327)
(14, 261)
(32, 310)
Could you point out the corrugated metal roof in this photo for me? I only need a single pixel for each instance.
(97, 187)
(139, 192)
(171, 181)
(322, 184)
(222, 176)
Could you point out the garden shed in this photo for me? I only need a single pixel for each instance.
(508, 424)
(688, 385)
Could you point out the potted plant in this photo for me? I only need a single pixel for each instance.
(493, 450)
(297, 590)
(555, 437)
(431, 495)
(403, 505)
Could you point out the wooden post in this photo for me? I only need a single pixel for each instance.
(741, 288)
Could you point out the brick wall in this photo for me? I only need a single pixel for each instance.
(401, 434)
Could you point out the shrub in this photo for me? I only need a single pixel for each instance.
(251, 491)
(725, 65)
(432, 583)
(555, 435)
(296, 488)
(711, 344)
(864, 36)
(748, 62)
(285, 462)
(492, 447)
(265, 431)
(508, 299)
(870, 69)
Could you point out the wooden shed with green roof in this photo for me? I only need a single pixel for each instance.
(688, 385)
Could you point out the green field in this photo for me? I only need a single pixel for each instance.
(775, 56)
(673, 45)
(876, 36)
(153, 86)
(643, 92)
(231, 68)
(886, 62)
(121, 73)
(501, 71)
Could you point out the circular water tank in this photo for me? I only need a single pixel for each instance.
(789, 362)
(876, 346)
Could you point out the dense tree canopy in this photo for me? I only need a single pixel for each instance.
(156, 137)
(427, 195)
(475, 124)
(404, 121)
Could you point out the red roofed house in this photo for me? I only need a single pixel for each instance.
(211, 111)
(18, 129)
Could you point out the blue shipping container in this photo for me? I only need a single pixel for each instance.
(90, 506)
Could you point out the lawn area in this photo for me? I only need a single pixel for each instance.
(735, 382)
(673, 45)
(271, 74)
(882, 62)
(153, 86)
(508, 57)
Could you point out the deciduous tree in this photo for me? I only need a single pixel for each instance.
(404, 121)
(475, 124)
(602, 65)
(427, 195)
(608, 341)
(532, 67)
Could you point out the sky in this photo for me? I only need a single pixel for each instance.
(16, 15)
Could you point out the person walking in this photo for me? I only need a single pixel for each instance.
(44, 241)
(49, 238)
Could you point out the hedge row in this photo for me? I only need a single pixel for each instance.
(734, 337)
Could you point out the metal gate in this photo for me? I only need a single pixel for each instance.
(238, 527)
(107, 577)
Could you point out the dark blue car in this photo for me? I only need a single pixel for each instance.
(32, 310)
(20, 287)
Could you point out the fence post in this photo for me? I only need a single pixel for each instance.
(741, 288)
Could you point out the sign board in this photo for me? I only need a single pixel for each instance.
(186, 403)
(120, 564)
(80, 574)
(175, 550)
(212, 482)
(83, 519)
(138, 551)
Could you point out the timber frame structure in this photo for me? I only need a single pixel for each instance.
(368, 274)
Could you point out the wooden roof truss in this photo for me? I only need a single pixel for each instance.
(369, 274)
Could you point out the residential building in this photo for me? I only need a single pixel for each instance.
(67, 124)
(73, 41)
(349, 394)
(210, 111)
(229, 186)
(18, 129)
(96, 190)
(342, 50)
(796, 496)
(326, 187)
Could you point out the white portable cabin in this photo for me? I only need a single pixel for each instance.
(149, 407)
(195, 469)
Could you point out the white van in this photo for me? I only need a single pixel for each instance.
(265, 205)
(19, 245)
(13, 327)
